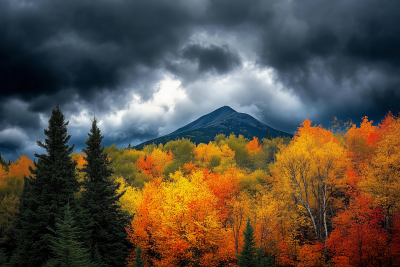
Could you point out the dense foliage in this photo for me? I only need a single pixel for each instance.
(328, 197)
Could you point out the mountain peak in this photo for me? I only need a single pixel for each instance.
(223, 120)
(225, 109)
(214, 116)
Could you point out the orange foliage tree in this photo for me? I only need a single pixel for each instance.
(358, 238)
(362, 141)
(20, 168)
(178, 223)
(253, 146)
(382, 171)
(11, 186)
(153, 164)
(80, 160)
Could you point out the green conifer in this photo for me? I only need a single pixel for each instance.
(3, 258)
(138, 258)
(248, 256)
(269, 136)
(104, 219)
(264, 260)
(45, 194)
(66, 249)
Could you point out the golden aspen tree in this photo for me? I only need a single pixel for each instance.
(307, 167)
(266, 216)
(238, 219)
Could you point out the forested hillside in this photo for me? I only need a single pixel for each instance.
(327, 197)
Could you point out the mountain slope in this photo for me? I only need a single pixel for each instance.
(224, 120)
(206, 120)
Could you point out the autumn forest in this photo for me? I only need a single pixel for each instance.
(327, 197)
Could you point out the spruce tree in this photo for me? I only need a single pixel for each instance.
(269, 136)
(248, 256)
(104, 220)
(66, 249)
(3, 258)
(264, 260)
(138, 258)
(45, 194)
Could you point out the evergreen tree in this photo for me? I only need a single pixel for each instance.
(3, 258)
(263, 260)
(248, 255)
(129, 146)
(269, 135)
(45, 194)
(104, 219)
(66, 248)
(138, 258)
(3, 163)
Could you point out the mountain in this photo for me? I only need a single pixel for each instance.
(224, 120)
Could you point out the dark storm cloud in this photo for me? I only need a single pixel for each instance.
(15, 114)
(344, 42)
(48, 46)
(211, 58)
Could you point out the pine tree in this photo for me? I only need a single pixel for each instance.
(248, 255)
(269, 136)
(263, 260)
(129, 146)
(105, 221)
(45, 194)
(66, 248)
(3, 163)
(3, 258)
(138, 258)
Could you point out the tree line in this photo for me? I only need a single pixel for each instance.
(328, 197)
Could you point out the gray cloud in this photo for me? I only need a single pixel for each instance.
(212, 58)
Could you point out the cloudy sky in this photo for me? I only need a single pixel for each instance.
(147, 67)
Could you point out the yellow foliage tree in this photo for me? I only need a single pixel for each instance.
(238, 219)
(308, 168)
(266, 215)
(203, 152)
(131, 197)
